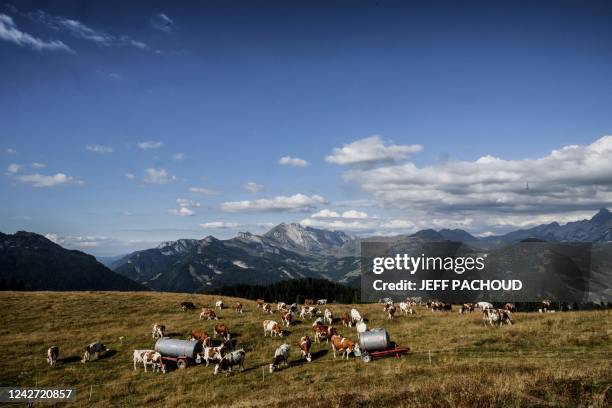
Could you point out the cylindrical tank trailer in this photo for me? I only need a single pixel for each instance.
(182, 352)
(374, 340)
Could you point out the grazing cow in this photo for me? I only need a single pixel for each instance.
(219, 304)
(209, 314)
(293, 307)
(304, 345)
(281, 305)
(308, 302)
(149, 357)
(92, 351)
(356, 316)
(187, 306)
(202, 337)
(222, 330)
(545, 306)
(270, 326)
(260, 303)
(229, 360)
(466, 307)
(267, 308)
(344, 346)
(385, 301)
(484, 305)
(406, 308)
(158, 331)
(52, 355)
(308, 310)
(511, 307)
(212, 354)
(346, 319)
(286, 317)
(322, 302)
(281, 355)
(441, 306)
(328, 317)
(390, 311)
(238, 307)
(496, 317)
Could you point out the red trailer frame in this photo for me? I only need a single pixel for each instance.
(367, 356)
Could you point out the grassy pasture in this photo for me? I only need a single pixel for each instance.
(554, 359)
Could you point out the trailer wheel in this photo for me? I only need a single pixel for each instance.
(181, 363)
(366, 357)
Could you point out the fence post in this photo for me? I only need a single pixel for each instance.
(429, 357)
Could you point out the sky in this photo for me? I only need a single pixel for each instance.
(123, 124)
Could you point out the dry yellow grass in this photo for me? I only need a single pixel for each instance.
(556, 359)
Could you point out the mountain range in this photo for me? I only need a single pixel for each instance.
(30, 261)
(287, 251)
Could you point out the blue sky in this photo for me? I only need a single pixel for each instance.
(127, 108)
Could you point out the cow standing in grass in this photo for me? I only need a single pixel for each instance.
(219, 304)
(212, 354)
(270, 326)
(235, 358)
(201, 336)
(158, 331)
(267, 308)
(238, 307)
(52, 355)
(221, 330)
(208, 314)
(344, 346)
(281, 355)
(149, 357)
(346, 320)
(328, 316)
(390, 310)
(406, 308)
(304, 346)
(286, 317)
(355, 316)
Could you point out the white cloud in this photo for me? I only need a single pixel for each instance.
(220, 225)
(82, 31)
(162, 22)
(292, 161)
(185, 202)
(41, 180)
(370, 150)
(13, 168)
(354, 214)
(572, 178)
(179, 156)
(253, 187)
(294, 203)
(37, 165)
(99, 149)
(130, 176)
(204, 191)
(149, 145)
(181, 212)
(325, 213)
(158, 176)
(11, 151)
(9, 32)
(351, 220)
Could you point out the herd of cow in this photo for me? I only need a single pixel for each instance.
(225, 356)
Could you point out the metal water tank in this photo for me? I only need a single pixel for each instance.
(178, 348)
(374, 340)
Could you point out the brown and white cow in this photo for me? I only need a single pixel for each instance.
(466, 307)
(202, 337)
(286, 317)
(270, 326)
(219, 305)
(545, 306)
(390, 309)
(221, 330)
(212, 354)
(260, 303)
(344, 346)
(52, 355)
(511, 307)
(208, 314)
(149, 357)
(308, 302)
(323, 331)
(267, 308)
(406, 308)
(308, 310)
(346, 319)
(158, 331)
(328, 316)
(230, 360)
(238, 307)
(305, 345)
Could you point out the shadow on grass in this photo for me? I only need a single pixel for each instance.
(108, 354)
(68, 360)
(315, 356)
